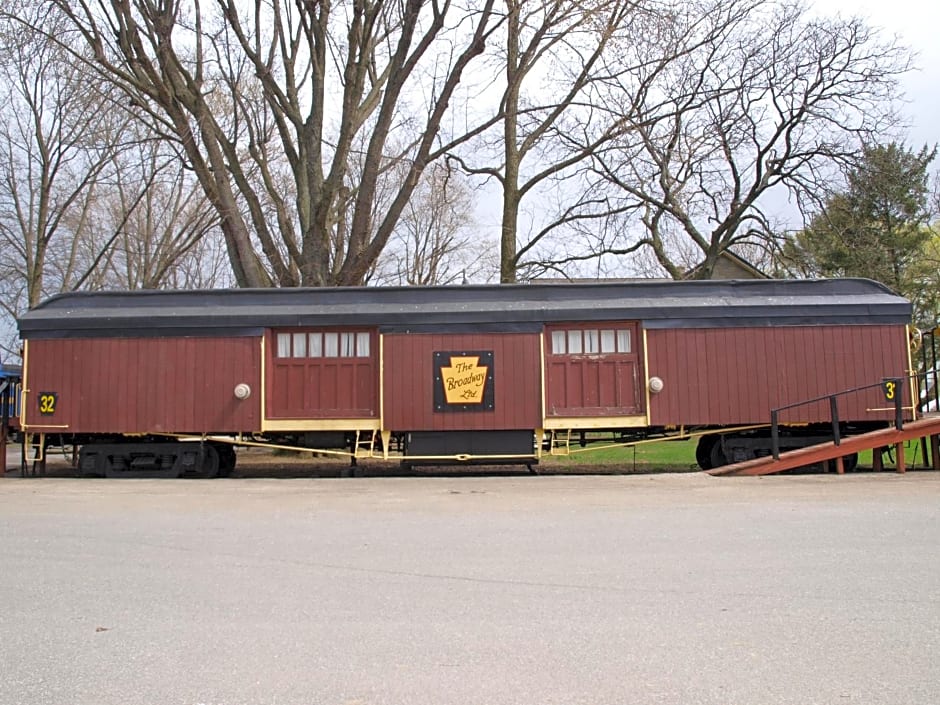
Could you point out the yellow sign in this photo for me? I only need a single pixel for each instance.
(47, 402)
(464, 380)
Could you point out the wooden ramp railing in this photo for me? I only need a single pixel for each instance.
(928, 427)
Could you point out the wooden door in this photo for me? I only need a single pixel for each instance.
(593, 370)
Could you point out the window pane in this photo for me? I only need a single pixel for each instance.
(300, 345)
(347, 344)
(283, 344)
(316, 345)
(607, 341)
(591, 344)
(331, 345)
(362, 344)
(558, 342)
(623, 341)
(574, 342)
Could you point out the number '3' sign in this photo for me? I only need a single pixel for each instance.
(890, 388)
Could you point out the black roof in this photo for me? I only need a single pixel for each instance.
(659, 304)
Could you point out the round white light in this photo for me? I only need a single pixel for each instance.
(242, 391)
(656, 385)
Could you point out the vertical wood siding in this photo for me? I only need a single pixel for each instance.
(409, 382)
(141, 385)
(736, 375)
(593, 387)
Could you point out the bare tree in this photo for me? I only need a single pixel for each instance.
(88, 199)
(436, 242)
(56, 150)
(164, 233)
(773, 100)
(252, 92)
(563, 63)
(552, 53)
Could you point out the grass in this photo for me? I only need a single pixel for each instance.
(679, 455)
(913, 456)
(659, 455)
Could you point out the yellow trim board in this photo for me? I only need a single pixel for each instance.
(263, 397)
(544, 371)
(912, 381)
(646, 375)
(381, 363)
(579, 422)
(24, 386)
(320, 425)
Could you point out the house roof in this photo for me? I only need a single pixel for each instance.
(737, 261)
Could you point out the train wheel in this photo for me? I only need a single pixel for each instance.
(210, 462)
(703, 451)
(91, 464)
(137, 460)
(227, 458)
(196, 460)
(717, 456)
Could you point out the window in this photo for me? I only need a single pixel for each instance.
(317, 344)
(574, 342)
(330, 345)
(300, 345)
(591, 342)
(362, 345)
(623, 341)
(283, 344)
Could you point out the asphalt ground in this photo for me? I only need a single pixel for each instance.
(677, 589)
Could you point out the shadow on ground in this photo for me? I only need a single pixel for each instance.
(261, 464)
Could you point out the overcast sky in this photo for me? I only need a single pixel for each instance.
(917, 24)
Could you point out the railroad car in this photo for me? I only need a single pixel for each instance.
(169, 382)
(9, 398)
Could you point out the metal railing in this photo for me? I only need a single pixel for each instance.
(893, 393)
(927, 393)
(929, 397)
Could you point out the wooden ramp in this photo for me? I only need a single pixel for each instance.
(923, 428)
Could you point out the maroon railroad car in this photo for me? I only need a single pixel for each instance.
(167, 382)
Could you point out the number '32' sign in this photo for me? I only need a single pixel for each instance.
(48, 402)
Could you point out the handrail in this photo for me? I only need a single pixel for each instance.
(890, 385)
(929, 364)
(893, 391)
